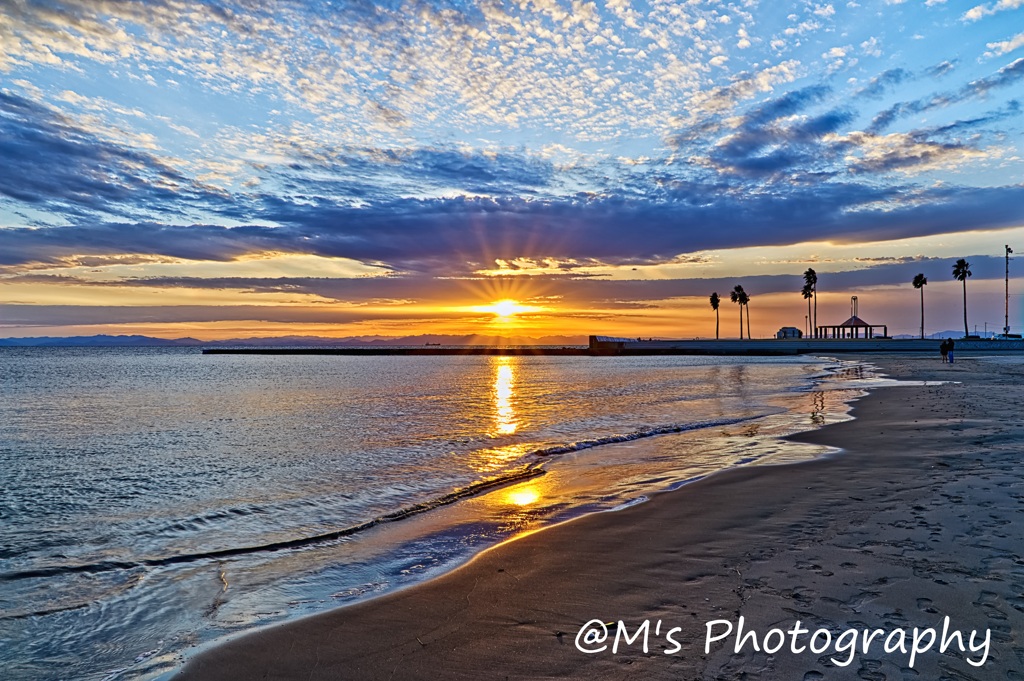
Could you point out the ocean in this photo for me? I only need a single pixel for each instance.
(157, 500)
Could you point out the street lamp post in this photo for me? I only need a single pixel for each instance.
(1006, 319)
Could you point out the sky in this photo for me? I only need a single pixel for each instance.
(240, 168)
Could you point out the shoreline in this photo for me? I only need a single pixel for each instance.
(601, 346)
(144, 629)
(743, 440)
(516, 608)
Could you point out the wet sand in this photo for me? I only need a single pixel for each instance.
(918, 518)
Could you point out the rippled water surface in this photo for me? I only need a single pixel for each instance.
(155, 499)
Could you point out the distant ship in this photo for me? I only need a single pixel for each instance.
(431, 343)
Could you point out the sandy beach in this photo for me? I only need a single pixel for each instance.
(917, 519)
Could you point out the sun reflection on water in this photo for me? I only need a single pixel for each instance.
(523, 496)
(504, 391)
(521, 507)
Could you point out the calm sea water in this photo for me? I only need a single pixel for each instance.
(154, 499)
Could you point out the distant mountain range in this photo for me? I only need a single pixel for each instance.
(287, 341)
(939, 335)
(98, 341)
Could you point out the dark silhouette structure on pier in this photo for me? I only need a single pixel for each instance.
(854, 327)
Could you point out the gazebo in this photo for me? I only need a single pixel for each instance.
(852, 327)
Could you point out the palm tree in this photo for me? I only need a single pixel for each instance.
(715, 300)
(808, 292)
(738, 295)
(962, 270)
(919, 282)
(811, 281)
(746, 304)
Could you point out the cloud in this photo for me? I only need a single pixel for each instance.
(1004, 77)
(390, 297)
(941, 69)
(786, 105)
(435, 137)
(980, 11)
(374, 70)
(909, 153)
(705, 106)
(87, 315)
(53, 162)
(1005, 46)
(770, 138)
(884, 82)
(871, 47)
(455, 237)
(972, 125)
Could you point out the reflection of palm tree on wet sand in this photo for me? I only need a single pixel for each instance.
(818, 408)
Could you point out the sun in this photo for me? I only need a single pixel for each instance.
(506, 308)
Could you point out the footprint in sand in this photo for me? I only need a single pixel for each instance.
(870, 670)
(987, 601)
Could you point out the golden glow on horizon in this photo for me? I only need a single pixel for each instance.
(504, 390)
(488, 310)
(682, 317)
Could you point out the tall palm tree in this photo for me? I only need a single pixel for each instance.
(746, 303)
(919, 282)
(738, 295)
(962, 270)
(715, 300)
(811, 281)
(808, 292)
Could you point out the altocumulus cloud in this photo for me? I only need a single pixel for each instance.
(433, 138)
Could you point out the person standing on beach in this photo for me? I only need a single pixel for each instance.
(944, 350)
(951, 350)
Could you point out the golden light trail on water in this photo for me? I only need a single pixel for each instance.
(504, 390)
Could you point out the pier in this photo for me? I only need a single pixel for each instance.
(608, 346)
(600, 345)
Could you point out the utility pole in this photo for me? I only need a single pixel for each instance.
(1006, 320)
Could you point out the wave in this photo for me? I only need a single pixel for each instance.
(531, 470)
(637, 434)
(525, 473)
